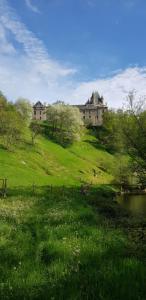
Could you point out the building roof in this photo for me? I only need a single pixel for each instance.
(38, 104)
(96, 95)
(95, 99)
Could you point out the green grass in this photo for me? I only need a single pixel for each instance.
(58, 244)
(50, 163)
(61, 245)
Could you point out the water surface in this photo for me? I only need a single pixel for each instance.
(133, 203)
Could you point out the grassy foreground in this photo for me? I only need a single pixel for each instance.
(58, 244)
(63, 245)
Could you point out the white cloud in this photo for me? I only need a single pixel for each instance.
(116, 88)
(5, 46)
(30, 72)
(33, 48)
(31, 6)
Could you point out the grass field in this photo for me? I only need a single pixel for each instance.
(61, 245)
(58, 244)
(49, 163)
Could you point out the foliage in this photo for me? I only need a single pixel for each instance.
(11, 127)
(122, 171)
(110, 134)
(11, 123)
(24, 107)
(64, 122)
(36, 129)
(124, 132)
(134, 133)
(3, 100)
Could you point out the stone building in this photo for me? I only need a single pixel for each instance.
(39, 111)
(91, 112)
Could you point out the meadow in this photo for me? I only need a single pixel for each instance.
(59, 243)
(47, 162)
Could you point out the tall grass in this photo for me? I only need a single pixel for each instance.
(63, 245)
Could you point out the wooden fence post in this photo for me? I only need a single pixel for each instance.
(3, 189)
(33, 188)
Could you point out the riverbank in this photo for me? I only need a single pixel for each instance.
(132, 192)
(132, 223)
(61, 244)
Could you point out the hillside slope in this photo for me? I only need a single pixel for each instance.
(59, 243)
(49, 163)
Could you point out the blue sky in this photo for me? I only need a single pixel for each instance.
(65, 49)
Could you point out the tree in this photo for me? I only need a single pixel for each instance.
(53, 118)
(123, 174)
(3, 100)
(11, 123)
(36, 129)
(11, 127)
(65, 123)
(134, 132)
(110, 134)
(24, 107)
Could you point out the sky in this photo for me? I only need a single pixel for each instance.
(64, 49)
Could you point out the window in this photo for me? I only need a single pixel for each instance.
(40, 112)
(35, 112)
(40, 118)
(83, 117)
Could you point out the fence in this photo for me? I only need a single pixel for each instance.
(83, 189)
(3, 187)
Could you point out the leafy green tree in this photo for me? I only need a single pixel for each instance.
(53, 118)
(11, 123)
(24, 107)
(36, 129)
(122, 171)
(134, 133)
(3, 100)
(11, 127)
(65, 123)
(110, 134)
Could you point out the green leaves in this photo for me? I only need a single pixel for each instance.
(65, 123)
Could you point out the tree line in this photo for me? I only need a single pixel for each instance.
(124, 133)
(14, 118)
(63, 124)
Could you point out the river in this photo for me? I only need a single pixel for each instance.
(133, 203)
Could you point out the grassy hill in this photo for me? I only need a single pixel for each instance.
(58, 244)
(49, 163)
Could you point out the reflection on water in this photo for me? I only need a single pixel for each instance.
(133, 203)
